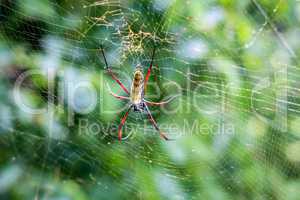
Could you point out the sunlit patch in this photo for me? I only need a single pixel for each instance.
(83, 99)
(168, 187)
(279, 58)
(53, 45)
(292, 38)
(5, 57)
(210, 19)
(229, 69)
(292, 152)
(9, 176)
(40, 9)
(54, 128)
(162, 4)
(295, 127)
(256, 127)
(193, 49)
(297, 11)
(79, 92)
(49, 64)
(176, 152)
(5, 118)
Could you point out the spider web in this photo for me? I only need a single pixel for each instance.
(232, 66)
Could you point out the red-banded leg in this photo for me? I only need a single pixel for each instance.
(111, 73)
(115, 95)
(150, 103)
(149, 70)
(151, 119)
(122, 123)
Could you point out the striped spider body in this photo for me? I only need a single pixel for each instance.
(137, 90)
(136, 95)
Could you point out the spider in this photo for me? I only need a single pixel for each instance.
(136, 97)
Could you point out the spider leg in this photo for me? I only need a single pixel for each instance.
(119, 97)
(150, 103)
(122, 123)
(115, 95)
(111, 73)
(151, 119)
(149, 70)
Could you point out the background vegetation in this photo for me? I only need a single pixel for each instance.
(235, 123)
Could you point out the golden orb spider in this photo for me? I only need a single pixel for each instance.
(136, 95)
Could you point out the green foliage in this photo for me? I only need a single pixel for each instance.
(232, 65)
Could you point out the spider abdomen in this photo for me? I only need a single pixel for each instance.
(137, 87)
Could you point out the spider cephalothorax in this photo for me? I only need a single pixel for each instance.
(136, 95)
